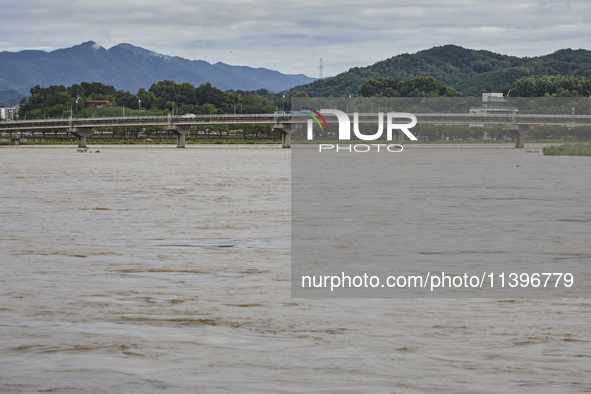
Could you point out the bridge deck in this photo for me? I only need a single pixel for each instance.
(221, 119)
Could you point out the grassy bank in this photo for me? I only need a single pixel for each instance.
(568, 150)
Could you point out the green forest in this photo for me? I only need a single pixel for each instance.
(162, 98)
(183, 98)
(180, 99)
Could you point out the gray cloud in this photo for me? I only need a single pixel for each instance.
(292, 36)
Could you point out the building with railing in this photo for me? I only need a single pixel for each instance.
(492, 104)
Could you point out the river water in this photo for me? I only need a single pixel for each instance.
(151, 268)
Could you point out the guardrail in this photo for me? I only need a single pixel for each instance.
(171, 121)
(166, 120)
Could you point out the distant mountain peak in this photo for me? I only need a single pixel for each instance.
(91, 45)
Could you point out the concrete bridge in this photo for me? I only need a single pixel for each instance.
(286, 123)
(179, 125)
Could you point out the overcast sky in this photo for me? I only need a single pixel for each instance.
(291, 37)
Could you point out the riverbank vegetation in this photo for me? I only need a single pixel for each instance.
(568, 150)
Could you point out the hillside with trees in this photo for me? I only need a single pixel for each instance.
(411, 87)
(470, 72)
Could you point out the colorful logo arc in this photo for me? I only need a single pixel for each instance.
(316, 119)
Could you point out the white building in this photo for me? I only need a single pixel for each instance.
(8, 113)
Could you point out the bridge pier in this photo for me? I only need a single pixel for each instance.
(520, 134)
(181, 132)
(286, 130)
(286, 140)
(82, 133)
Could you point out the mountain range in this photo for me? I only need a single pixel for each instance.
(127, 67)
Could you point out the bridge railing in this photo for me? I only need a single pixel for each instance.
(161, 120)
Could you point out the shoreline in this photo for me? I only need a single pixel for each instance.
(171, 141)
(532, 146)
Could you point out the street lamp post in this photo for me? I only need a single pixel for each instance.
(78, 98)
(284, 93)
(123, 109)
(349, 99)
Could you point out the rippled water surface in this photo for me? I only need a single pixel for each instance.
(141, 269)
